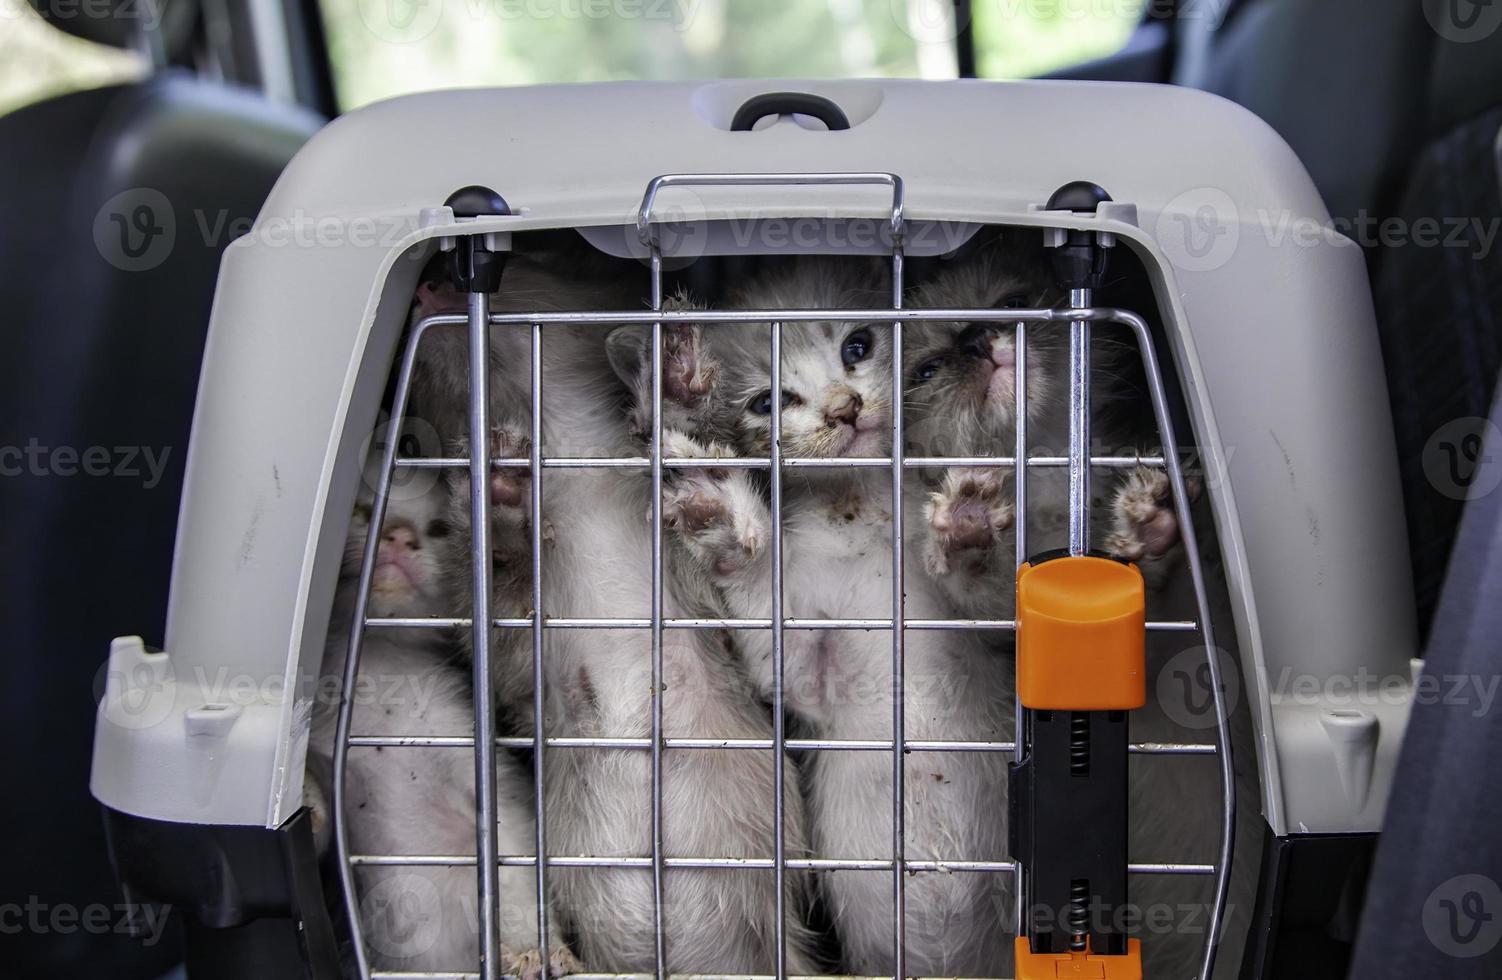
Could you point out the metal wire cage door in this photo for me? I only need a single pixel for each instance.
(1077, 318)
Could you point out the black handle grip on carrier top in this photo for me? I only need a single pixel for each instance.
(476, 268)
(758, 107)
(1080, 262)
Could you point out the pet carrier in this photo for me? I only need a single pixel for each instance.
(1260, 353)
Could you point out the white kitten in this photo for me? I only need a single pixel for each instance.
(837, 530)
(598, 683)
(413, 800)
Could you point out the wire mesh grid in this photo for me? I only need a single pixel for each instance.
(479, 321)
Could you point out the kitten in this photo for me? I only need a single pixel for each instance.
(556, 277)
(421, 800)
(598, 683)
(837, 527)
(960, 401)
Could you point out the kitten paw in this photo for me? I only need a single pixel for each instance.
(562, 962)
(1144, 524)
(525, 965)
(688, 372)
(716, 511)
(968, 513)
(510, 493)
(510, 486)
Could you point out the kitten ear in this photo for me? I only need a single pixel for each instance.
(439, 297)
(626, 348)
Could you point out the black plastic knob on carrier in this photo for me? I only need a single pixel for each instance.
(1080, 262)
(476, 267)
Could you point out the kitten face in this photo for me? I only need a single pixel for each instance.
(836, 393)
(716, 378)
(961, 377)
(405, 581)
(836, 390)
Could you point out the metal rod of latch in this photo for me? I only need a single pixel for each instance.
(1081, 630)
(477, 266)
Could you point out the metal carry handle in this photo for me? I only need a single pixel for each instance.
(644, 213)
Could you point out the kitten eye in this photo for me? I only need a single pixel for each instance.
(928, 369)
(761, 403)
(857, 347)
(439, 528)
(1016, 301)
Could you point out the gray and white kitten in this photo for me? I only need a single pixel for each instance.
(960, 401)
(598, 683)
(837, 528)
(416, 800)
(960, 396)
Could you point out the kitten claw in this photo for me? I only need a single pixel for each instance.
(1145, 526)
(969, 513)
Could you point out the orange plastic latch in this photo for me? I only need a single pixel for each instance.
(1078, 966)
(1081, 633)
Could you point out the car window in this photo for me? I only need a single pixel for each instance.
(380, 48)
(38, 61)
(1025, 38)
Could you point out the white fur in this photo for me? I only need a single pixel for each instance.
(836, 546)
(1174, 801)
(839, 684)
(414, 800)
(596, 563)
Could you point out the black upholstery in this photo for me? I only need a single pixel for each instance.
(1439, 309)
(1433, 906)
(1394, 121)
(101, 356)
(1341, 80)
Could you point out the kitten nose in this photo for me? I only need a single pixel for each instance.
(981, 342)
(975, 340)
(402, 535)
(843, 406)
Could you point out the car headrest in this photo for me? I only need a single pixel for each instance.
(118, 23)
(1467, 74)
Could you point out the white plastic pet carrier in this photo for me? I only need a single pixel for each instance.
(1261, 354)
